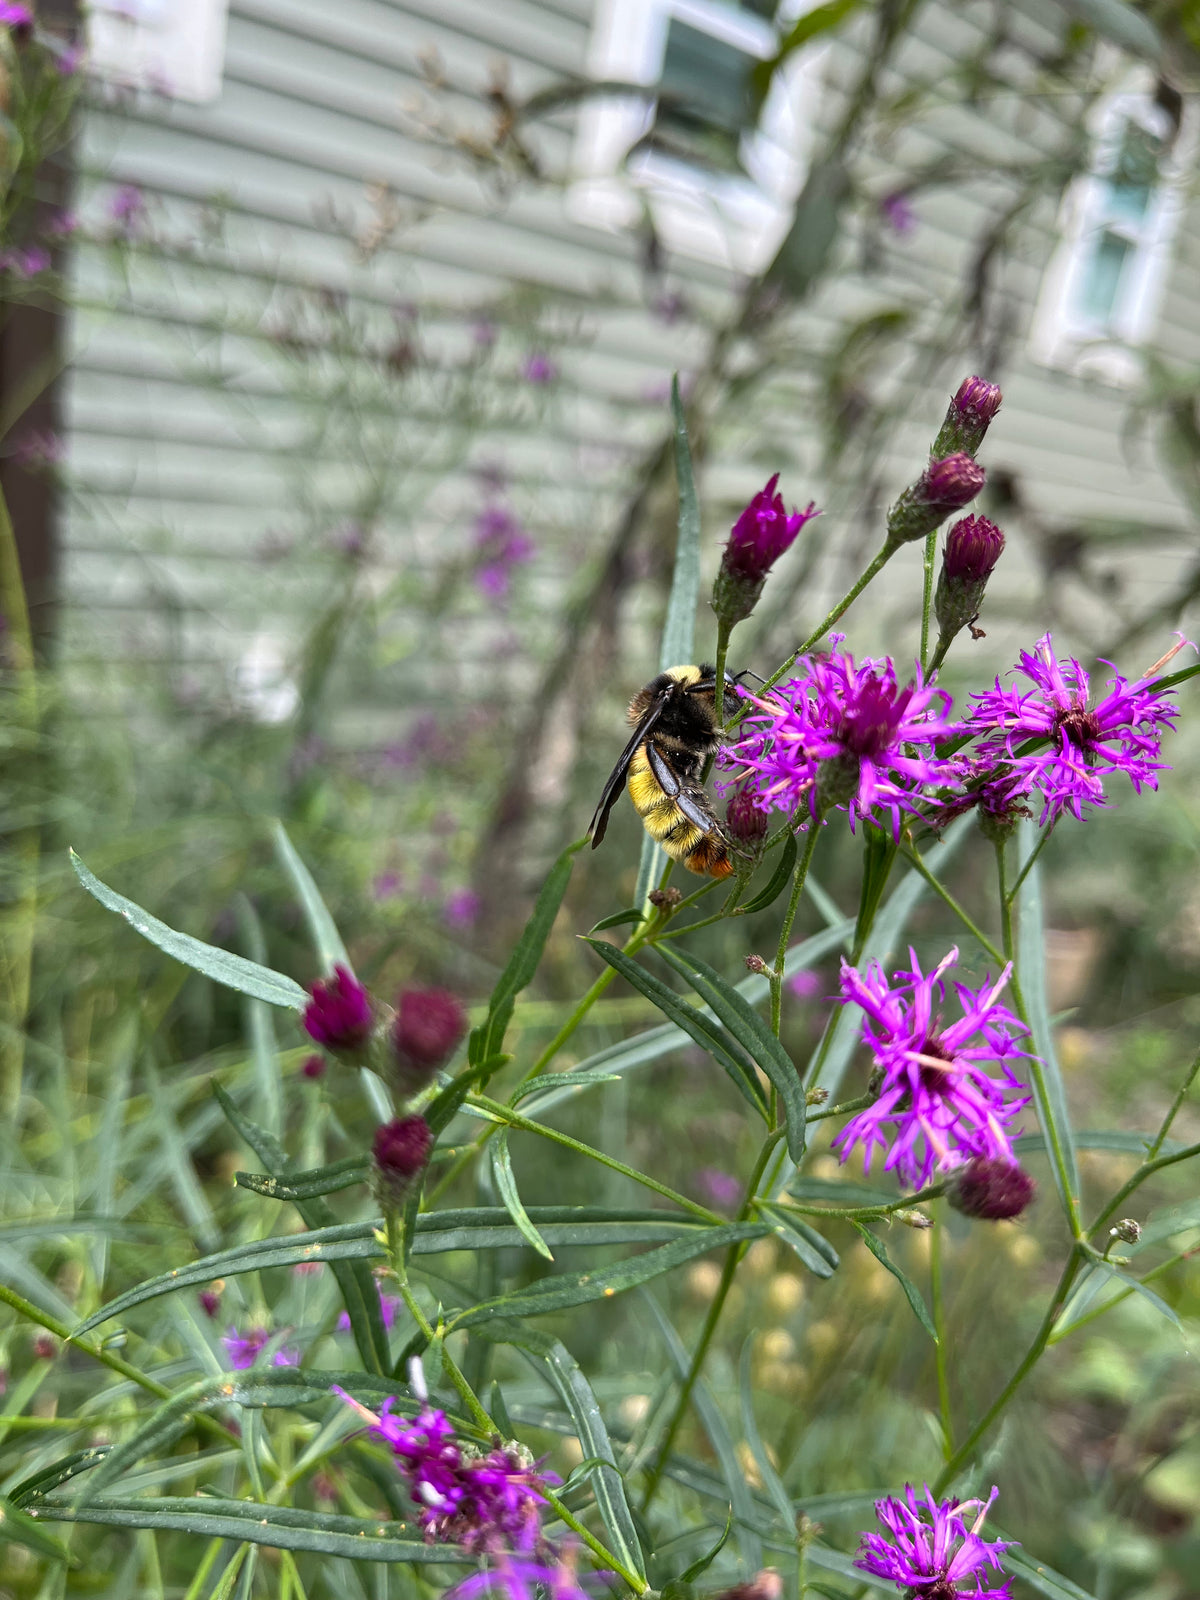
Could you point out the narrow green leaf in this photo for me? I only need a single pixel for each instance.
(836, 1192)
(523, 963)
(771, 1481)
(18, 1527)
(804, 254)
(1135, 1144)
(235, 972)
(813, 1249)
(506, 1186)
(679, 626)
(779, 881)
(701, 1566)
(821, 19)
(564, 1290)
(59, 1472)
(329, 1179)
(1166, 1223)
(575, 1081)
(752, 1033)
(260, 1031)
(1049, 1093)
(282, 1527)
(1099, 1276)
(617, 920)
(879, 856)
(911, 1293)
(695, 1023)
(607, 1484)
(1041, 1577)
(322, 929)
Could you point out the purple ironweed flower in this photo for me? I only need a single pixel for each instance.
(936, 1106)
(539, 368)
(400, 1150)
(1083, 744)
(519, 1578)
(127, 209)
(992, 1189)
(972, 409)
(389, 1306)
(996, 801)
(428, 1026)
(339, 1013)
(973, 547)
(462, 908)
(947, 484)
(935, 1559)
(844, 735)
(18, 19)
(764, 1585)
(897, 212)
(804, 985)
(313, 1067)
(244, 1348)
(722, 1188)
(756, 541)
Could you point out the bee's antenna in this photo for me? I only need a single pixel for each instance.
(747, 672)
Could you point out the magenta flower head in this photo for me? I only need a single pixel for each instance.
(339, 1015)
(1080, 744)
(313, 1067)
(244, 1348)
(937, 1107)
(947, 484)
(428, 1026)
(18, 19)
(744, 819)
(758, 538)
(400, 1150)
(844, 735)
(990, 1188)
(973, 547)
(969, 417)
(929, 1551)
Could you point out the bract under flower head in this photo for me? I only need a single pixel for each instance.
(847, 735)
(1085, 743)
(929, 1551)
(937, 1106)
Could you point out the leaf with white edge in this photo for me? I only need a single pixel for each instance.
(506, 1186)
(322, 929)
(911, 1293)
(234, 972)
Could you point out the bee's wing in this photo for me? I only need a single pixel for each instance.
(616, 778)
(690, 799)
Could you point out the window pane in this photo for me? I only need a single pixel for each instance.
(1102, 280)
(706, 104)
(1134, 174)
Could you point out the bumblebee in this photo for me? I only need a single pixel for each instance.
(675, 730)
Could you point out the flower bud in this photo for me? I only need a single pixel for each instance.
(973, 547)
(665, 900)
(947, 484)
(400, 1150)
(312, 1067)
(424, 1035)
(968, 418)
(339, 1014)
(1127, 1230)
(743, 820)
(990, 1188)
(757, 540)
(756, 964)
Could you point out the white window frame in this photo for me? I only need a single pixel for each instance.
(1062, 334)
(174, 48)
(736, 220)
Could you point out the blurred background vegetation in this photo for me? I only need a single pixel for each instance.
(336, 445)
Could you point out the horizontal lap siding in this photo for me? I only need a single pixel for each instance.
(180, 485)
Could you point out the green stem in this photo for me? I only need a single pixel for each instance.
(514, 1120)
(1028, 1361)
(1122, 1294)
(865, 1213)
(939, 1323)
(785, 932)
(1146, 1170)
(940, 654)
(911, 854)
(931, 539)
(605, 1556)
(1033, 855)
(724, 632)
(1175, 1105)
(732, 1257)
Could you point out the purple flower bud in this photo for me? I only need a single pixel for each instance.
(210, 1301)
(973, 547)
(991, 1188)
(897, 212)
(18, 19)
(339, 1013)
(401, 1149)
(313, 1067)
(968, 418)
(743, 819)
(947, 484)
(756, 541)
(428, 1026)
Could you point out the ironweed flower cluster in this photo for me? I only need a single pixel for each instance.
(929, 1551)
(936, 1107)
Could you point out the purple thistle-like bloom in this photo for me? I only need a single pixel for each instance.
(1084, 744)
(977, 400)
(844, 735)
(948, 484)
(973, 547)
(339, 1013)
(897, 212)
(17, 18)
(462, 908)
(936, 1106)
(244, 1348)
(762, 533)
(929, 1551)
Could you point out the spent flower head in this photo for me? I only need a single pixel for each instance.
(937, 1106)
(763, 532)
(841, 734)
(991, 1188)
(1079, 743)
(339, 1014)
(929, 1551)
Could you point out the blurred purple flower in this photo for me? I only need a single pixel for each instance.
(539, 369)
(897, 212)
(668, 306)
(313, 1067)
(928, 1550)
(69, 60)
(17, 18)
(1082, 744)
(462, 908)
(349, 538)
(27, 261)
(39, 448)
(502, 544)
(804, 985)
(722, 1188)
(484, 332)
(936, 1106)
(61, 225)
(243, 1349)
(389, 1306)
(127, 209)
(210, 1301)
(387, 886)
